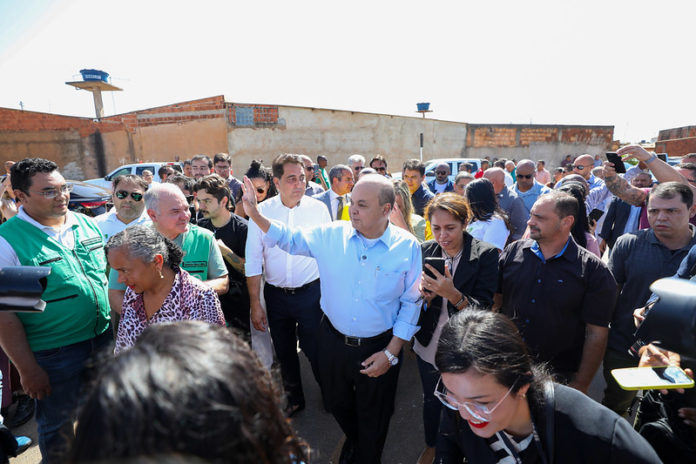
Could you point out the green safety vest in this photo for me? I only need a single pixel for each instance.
(196, 246)
(77, 303)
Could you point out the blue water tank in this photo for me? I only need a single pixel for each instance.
(421, 106)
(94, 75)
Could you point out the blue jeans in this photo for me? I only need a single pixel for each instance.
(67, 372)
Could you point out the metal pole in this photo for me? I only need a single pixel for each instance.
(421, 146)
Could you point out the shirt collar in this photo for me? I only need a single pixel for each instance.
(70, 220)
(387, 237)
(534, 247)
(653, 239)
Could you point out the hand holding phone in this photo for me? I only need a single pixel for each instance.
(616, 160)
(652, 378)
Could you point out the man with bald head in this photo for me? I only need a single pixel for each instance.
(169, 211)
(369, 297)
(441, 183)
(509, 202)
(583, 166)
(526, 186)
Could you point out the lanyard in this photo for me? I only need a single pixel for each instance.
(511, 447)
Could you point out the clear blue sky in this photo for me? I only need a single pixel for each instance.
(622, 63)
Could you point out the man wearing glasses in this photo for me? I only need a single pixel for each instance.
(129, 207)
(583, 166)
(526, 186)
(379, 164)
(356, 163)
(51, 348)
(312, 187)
(441, 183)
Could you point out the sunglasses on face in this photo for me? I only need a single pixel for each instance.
(189, 199)
(358, 168)
(121, 194)
(579, 167)
(441, 172)
(309, 168)
(523, 176)
(380, 169)
(260, 190)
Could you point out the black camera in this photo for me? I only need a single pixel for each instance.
(21, 288)
(671, 321)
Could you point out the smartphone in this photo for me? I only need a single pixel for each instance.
(437, 263)
(651, 378)
(595, 214)
(662, 156)
(615, 159)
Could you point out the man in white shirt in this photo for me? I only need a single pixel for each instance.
(337, 197)
(129, 207)
(292, 291)
(356, 163)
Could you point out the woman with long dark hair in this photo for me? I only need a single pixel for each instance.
(489, 223)
(502, 408)
(470, 277)
(190, 390)
(262, 178)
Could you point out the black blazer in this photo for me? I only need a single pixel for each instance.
(615, 221)
(476, 277)
(584, 432)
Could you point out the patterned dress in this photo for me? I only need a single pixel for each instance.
(189, 300)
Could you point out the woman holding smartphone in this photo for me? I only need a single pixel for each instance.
(469, 277)
(502, 408)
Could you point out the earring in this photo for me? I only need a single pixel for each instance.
(161, 276)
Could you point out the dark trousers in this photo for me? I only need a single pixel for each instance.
(68, 371)
(432, 407)
(616, 398)
(362, 405)
(293, 316)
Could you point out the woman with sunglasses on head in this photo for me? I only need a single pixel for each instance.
(129, 207)
(470, 277)
(501, 408)
(262, 178)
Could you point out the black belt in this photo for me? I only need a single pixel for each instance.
(292, 291)
(355, 341)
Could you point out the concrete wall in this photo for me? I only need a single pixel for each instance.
(339, 134)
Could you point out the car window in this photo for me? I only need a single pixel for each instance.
(120, 172)
(139, 170)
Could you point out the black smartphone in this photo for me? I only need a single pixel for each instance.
(662, 156)
(595, 214)
(437, 263)
(615, 159)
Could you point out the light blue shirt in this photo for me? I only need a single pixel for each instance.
(594, 182)
(366, 289)
(530, 196)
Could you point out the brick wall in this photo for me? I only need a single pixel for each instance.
(677, 133)
(677, 141)
(511, 135)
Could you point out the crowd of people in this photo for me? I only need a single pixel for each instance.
(510, 283)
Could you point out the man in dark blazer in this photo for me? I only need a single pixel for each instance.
(338, 196)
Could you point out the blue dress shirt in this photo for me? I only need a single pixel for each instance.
(365, 290)
(530, 196)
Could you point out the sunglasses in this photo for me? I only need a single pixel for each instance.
(121, 194)
(523, 176)
(309, 168)
(440, 172)
(380, 169)
(358, 168)
(579, 167)
(189, 199)
(260, 190)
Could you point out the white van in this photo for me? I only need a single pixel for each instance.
(136, 169)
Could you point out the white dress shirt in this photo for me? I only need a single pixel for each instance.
(109, 224)
(278, 267)
(64, 235)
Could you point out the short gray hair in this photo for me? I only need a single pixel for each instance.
(336, 171)
(155, 192)
(352, 159)
(144, 242)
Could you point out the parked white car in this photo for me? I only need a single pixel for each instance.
(454, 164)
(136, 169)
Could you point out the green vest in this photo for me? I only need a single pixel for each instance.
(196, 246)
(77, 303)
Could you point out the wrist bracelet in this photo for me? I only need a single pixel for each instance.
(460, 302)
(652, 158)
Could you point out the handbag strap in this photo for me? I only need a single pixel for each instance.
(549, 413)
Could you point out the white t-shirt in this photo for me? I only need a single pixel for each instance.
(439, 188)
(492, 231)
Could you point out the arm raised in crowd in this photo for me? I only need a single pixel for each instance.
(621, 188)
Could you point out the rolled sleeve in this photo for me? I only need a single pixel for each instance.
(406, 324)
(253, 264)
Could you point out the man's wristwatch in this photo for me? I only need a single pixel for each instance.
(652, 158)
(393, 360)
